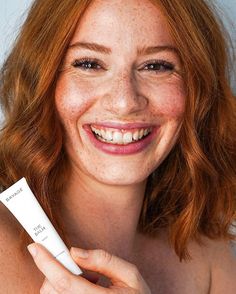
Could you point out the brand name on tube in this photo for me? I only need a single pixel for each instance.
(14, 194)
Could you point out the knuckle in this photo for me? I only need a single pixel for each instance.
(63, 284)
(135, 275)
(103, 256)
(45, 289)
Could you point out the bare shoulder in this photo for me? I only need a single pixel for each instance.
(17, 271)
(166, 273)
(222, 256)
(9, 245)
(211, 269)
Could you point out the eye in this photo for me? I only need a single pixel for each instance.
(158, 66)
(87, 64)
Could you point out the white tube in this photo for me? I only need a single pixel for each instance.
(22, 203)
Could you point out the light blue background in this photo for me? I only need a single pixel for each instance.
(13, 12)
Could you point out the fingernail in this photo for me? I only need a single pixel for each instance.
(78, 252)
(32, 249)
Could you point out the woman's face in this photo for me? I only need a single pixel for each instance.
(120, 79)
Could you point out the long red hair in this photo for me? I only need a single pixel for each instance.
(192, 193)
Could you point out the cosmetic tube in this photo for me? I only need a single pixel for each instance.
(22, 203)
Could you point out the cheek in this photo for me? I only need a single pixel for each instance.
(72, 100)
(169, 100)
(74, 97)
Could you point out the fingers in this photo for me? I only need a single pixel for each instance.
(60, 279)
(47, 288)
(124, 276)
(121, 272)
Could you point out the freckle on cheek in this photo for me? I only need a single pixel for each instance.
(72, 107)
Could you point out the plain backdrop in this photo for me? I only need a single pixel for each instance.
(13, 13)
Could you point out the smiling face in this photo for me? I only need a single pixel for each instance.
(120, 94)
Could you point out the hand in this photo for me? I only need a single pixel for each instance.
(125, 277)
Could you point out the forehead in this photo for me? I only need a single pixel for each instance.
(121, 21)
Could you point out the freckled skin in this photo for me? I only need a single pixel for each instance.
(122, 92)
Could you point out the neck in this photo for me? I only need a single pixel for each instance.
(102, 216)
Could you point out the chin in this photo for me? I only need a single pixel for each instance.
(121, 179)
(122, 182)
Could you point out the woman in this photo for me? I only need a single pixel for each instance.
(120, 116)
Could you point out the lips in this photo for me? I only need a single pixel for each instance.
(116, 138)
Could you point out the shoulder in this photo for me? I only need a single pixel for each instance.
(174, 276)
(16, 267)
(222, 256)
(9, 233)
(211, 269)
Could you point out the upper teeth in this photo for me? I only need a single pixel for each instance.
(120, 137)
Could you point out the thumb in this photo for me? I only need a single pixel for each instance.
(119, 271)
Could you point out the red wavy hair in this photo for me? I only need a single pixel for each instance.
(192, 193)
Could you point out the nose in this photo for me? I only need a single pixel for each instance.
(122, 96)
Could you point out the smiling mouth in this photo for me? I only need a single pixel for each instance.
(120, 137)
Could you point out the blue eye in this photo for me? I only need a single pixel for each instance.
(159, 66)
(87, 64)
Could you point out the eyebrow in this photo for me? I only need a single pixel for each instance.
(141, 51)
(91, 46)
(156, 49)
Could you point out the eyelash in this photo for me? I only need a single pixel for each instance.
(158, 66)
(94, 65)
(86, 61)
